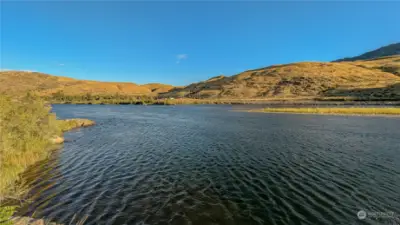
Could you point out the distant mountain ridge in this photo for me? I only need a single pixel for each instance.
(388, 50)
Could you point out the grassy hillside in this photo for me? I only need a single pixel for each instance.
(372, 78)
(19, 82)
(364, 79)
(390, 64)
(158, 88)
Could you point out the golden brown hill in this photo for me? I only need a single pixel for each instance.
(20, 82)
(304, 79)
(389, 64)
(157, 87)
(374, 78)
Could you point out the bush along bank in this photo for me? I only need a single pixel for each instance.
(28, 130)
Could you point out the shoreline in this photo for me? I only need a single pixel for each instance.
(330, 114)
(151, 100)
(7, 203)
(288, 103)
(351, 111)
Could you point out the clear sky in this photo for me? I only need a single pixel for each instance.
(179, 42)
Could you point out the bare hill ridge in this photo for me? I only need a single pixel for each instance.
(304, 79)
(370, 77)
(16, 82)
(377, 78)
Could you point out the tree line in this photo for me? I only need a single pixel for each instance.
(88, 98)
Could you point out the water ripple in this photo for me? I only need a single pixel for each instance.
(208, 165)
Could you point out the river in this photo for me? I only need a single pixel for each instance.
(217, 165)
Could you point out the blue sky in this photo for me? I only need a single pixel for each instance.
(179, 42)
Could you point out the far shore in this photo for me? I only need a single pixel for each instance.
(294, 102)
(350, 111)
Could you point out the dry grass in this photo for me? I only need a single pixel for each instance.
(20, 82)
(296, 80)
(387, 64)
(69, 124)
(26, 130)
(347, 111)
(158, 88)
(362, 79)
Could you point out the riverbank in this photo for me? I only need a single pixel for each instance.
(28, 131)
(152, 100)
(244, 102)
(334, 111)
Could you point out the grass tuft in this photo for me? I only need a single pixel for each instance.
(5, 214)
(69, 124)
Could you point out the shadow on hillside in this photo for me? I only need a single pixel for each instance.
(390, 92)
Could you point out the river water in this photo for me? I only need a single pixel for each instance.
(216, 165)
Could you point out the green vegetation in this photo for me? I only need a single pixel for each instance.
(351, 111)
(5, 213)
(26, 126)
(27, 131)
(61, 98)
(69, 124)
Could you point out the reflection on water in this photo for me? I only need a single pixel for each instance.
(214, 165)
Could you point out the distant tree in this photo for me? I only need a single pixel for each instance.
(59, 95)
(88, 96)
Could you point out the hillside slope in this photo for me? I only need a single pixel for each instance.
(390, 64)
(304, 79)
(157, 87)
(369, 78)
(388, 50)
(19, 82)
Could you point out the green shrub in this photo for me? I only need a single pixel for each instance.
(26, 127)
(5, 213)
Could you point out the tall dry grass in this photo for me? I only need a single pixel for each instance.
(26, 127)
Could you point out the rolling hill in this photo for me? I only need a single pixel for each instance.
(351, 77)
(374, 78)
(20, 82)
(390, 64)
